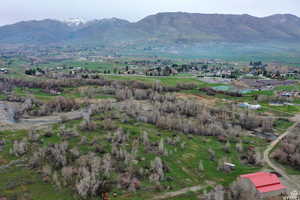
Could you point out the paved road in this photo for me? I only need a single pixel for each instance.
(292, 184)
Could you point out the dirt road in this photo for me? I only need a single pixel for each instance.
(39, 122)
(179, 192)
(292, 183)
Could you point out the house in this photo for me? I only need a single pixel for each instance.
(266, 184)
(286, 94)
(130, 71)
(250, 106)
(290, 75)
(3, 71)
(230, 166)
(39, 73)
(54, 92)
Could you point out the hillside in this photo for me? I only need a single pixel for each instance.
(35, 32)
(163, 27)
(230, 28)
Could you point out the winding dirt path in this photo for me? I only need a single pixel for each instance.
(179, 192)
(40, 122)
(292, 184)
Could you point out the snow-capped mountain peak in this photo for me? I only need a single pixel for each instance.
(75, 21)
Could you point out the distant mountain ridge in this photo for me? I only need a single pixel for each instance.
(173, 27)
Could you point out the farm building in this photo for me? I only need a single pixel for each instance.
(3, 71)
(250, 106)
(266, 184)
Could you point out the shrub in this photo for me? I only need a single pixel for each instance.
(20, 147)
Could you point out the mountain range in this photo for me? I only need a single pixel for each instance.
(171, 28)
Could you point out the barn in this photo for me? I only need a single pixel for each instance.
(266, 184)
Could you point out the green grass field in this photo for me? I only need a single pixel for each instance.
(182, 162)
(19, 182)
(281, 125)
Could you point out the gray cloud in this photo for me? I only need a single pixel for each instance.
(18, 10)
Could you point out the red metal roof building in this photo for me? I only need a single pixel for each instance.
(267, 184)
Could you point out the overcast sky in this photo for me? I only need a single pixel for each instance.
(12, 11)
